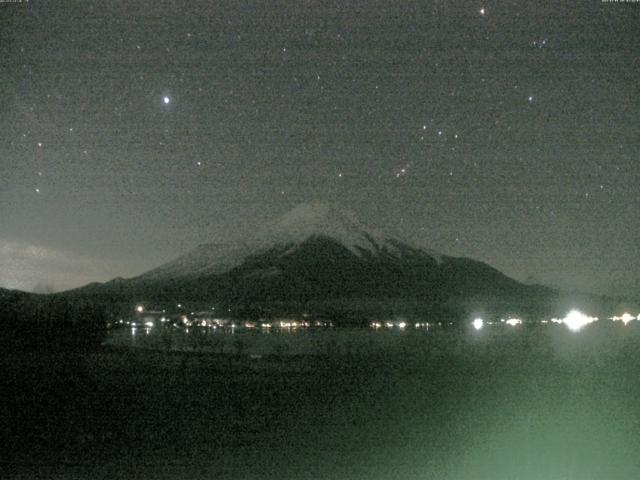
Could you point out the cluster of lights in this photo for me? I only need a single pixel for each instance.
(575, 320)
(293, 324)
(401, 325)
(625, 318)
(512, 322)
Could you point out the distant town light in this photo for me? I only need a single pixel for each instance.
(148, 324)
(626, 318)
(575, 320)
(139, 309)
(512, 322)
(402, 325)
(478, 323)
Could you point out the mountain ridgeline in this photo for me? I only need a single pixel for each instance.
(320, 259)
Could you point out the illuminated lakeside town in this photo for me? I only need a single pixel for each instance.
(145, 320)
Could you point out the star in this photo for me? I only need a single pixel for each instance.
(166, 100)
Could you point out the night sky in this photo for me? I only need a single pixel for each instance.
(132, 131)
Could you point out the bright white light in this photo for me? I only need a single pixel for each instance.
(625, 318)
(482, 11)
(139, 309)
(512, 322)
(402, 325)
(575, 320)
(166, 100)
(148, 324)
(478, 323)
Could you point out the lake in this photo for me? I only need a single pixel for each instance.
(503, 403)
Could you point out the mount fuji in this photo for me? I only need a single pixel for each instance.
(319, 256)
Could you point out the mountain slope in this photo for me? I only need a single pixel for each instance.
(292, 229)
(318, 254)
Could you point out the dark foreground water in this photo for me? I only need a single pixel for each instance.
(542, 403)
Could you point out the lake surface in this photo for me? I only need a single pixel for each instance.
(277, 341)
(505, 403)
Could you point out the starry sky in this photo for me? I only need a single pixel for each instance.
(506, 131)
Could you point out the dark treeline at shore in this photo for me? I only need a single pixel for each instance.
(50, 322)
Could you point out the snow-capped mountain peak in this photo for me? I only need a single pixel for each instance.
(308, 220)
(320, 219)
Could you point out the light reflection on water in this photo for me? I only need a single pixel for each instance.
(365, 341)
(265, 341)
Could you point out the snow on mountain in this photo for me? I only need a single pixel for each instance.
(308, 220)
(207, 259)
(326, 220)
